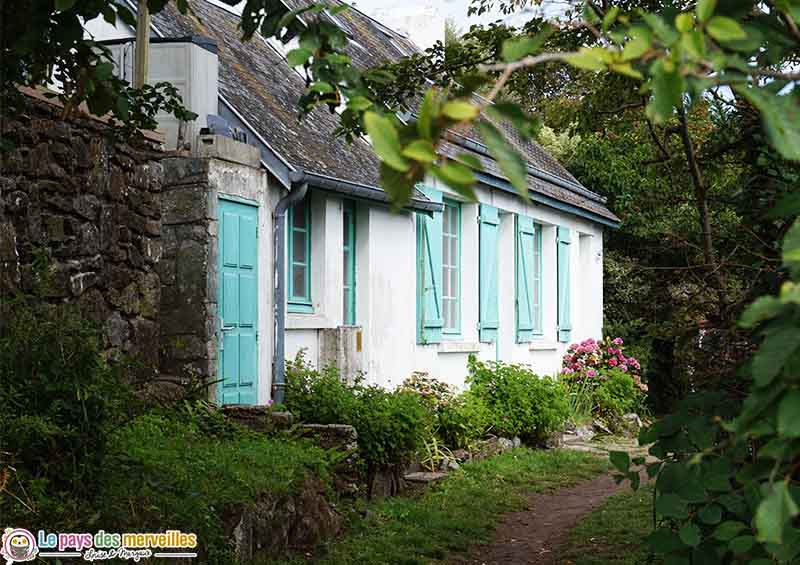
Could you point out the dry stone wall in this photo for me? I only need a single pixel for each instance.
(93, 204)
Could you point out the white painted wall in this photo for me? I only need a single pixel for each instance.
(386, 289)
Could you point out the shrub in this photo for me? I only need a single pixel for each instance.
(321, 397)
(463, 421)
(60, 398)
(390, 425)
(586, 359)
(616, 395)
(434, 392)
(521, 403)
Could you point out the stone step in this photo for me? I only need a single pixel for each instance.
(424, 477)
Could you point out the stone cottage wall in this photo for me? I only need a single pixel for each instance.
(188, 270)
(94, 205)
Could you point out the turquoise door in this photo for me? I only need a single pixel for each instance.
(238, 303)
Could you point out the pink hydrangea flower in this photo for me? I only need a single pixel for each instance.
(617, 341)
(613, 361)
(591, 373)
(623, 368)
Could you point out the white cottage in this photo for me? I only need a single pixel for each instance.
(368, 289)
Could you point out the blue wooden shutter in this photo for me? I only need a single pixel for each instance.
(489, 312)
(564, 310)
(526, 239)
(429, 272)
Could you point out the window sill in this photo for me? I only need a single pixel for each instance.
(543, 346)
(295, 321)
(459, 347)
(299, 308)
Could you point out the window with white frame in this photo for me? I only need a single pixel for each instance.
(451, 267)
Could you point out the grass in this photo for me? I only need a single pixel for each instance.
(457, 512)
(167, 473)
(614, 533)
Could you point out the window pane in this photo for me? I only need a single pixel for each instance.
(299, 282)
(299, 250)
(299, 214)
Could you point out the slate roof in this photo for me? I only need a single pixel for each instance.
(255, 79)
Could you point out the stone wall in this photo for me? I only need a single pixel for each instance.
(94, 205)
(188, 269)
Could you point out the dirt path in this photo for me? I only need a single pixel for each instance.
(532, 536)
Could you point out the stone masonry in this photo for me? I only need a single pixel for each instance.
(93, 204)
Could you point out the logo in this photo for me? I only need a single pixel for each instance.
(18, 545)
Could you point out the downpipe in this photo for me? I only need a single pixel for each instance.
(296, 193)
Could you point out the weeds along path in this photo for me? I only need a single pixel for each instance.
(535, 534)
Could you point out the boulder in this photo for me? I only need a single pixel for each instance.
(631, 424)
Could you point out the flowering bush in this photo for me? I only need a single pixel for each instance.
(591, 360)
(434, 392)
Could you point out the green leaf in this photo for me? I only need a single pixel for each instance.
(775, 350)
(763, 308)
(789, 414)
(664, 540)
(635, 48)
(421, 150)
(428, 112)
(610, 17)
(711, 514)
(684, 22)
(104, 71)
(667, 86)
(511, 163)
(672, 506)
(591, 59)
(742, 544)
(694, 43)
(723, 28)
(359, 103)
(64, 5)
(663, 31)
(321, 87)
(621, 460)
(298, 57)
(516, 48)
(525, 125)
(690, 534)
(461, 111)
(791, 250)
(470, 160)
(727, 530)
(457, 176)
(398, 185)
(705, 9)
(385, 141)
(774, 512)
(126, 16)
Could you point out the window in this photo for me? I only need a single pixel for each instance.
(349, 262)
(451, 267)
(537, 281)
(299, 252)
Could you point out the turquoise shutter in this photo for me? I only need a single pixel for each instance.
(489, 314)
(526, 239)
(429, 272)
(564, 314)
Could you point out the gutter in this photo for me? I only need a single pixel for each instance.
(296, 193)
(533, 171)
(360, 191)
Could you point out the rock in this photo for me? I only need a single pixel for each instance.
(462, 455)
(270, 525)
(631, 424)
(258, 418)
(554, 441)
(424, 477)
(449, 464)
(332, 436)
(601, 428)
(578, 434)
(492, 446)
(505, 444)
(516, 442)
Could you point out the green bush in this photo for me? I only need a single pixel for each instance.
(166, 472)
(390, 425)
(463, 421)
(521, 403)
(60, 398)
(616, 395)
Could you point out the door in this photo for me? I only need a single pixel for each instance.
(238, 303)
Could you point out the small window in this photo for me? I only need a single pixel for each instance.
(299, 253)
(349, 263)
(537, 281)
(451, 267)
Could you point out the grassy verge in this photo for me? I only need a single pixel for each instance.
(459, 511)
(168, 473)
(613, 534)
